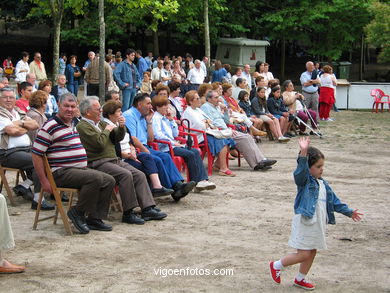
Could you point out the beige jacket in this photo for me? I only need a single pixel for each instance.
(40, 73)
(92, 73)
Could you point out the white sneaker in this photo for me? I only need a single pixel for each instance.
(205, 185)
(329, 119)
(283, 139)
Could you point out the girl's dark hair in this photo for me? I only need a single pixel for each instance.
(274, 89)
(242, 94)
(313, 156)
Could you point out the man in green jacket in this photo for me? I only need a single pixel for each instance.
(99, 140)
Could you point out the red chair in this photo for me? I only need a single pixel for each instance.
(204, 149)
(378, 94)
(178, 161)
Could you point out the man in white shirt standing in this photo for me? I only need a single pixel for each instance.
(310, 87)
(195, 76)
(247, 75)
(157, 71)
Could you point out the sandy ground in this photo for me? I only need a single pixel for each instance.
(240, 226)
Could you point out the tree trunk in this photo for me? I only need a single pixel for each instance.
(57, 10)
(102, 52)
(206, 29)
(361, 67)
(156, 47)
(283, 58)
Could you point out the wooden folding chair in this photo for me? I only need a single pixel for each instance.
(4, 181)
(116, 202)
(57, 191)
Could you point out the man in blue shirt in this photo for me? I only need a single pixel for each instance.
(128, 79)
(142, 64)
(139, 122)
(310, 87)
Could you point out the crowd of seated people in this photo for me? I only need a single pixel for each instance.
(94, 147)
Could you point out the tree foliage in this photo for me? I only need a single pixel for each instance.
(378, 30)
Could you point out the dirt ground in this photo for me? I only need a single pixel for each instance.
(239, 228)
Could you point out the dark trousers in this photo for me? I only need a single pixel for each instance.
(22, 160)
(93, 89)
(194, 163)
(95, 189)
(167, 171)
(132, 183)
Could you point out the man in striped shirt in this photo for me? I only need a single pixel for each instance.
(59, 140)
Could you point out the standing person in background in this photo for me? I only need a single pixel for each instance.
(128, 79)
(22, 69)
(92, 76)
(219, 72)
(149, 59)
(310, 87)
(91, 56)
(205, 65)
(73, 74)
(142, 64)
(195, 76)
(247, 75)
(62, 63)
(327, 98)
(157, 71)
(238, 73)
(38, 68)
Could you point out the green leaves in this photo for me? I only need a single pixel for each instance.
(378, 30)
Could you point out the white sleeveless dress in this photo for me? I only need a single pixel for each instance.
(308, 234)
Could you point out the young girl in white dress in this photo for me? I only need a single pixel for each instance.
(314, 207)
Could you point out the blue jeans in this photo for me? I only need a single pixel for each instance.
(194, 163)
(147, 165)
(73, 88)
(167, 171)
(128, 95)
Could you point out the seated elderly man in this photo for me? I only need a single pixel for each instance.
(6, 240)
(60, 142)
(15, 146)
(244, 142)
(139, 122)
(99, 139)
(60, 88)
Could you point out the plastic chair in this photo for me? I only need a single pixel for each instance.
(378, 94)
(205, 150)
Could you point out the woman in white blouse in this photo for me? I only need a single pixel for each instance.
(22, 69)
(165, 128)
(198, 120)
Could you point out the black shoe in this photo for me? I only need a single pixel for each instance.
(157, 192)
(261, 168)
(78, 221)
(64, 197)
(46, 206)
(26, 193)
(97, 224)
(264, 163)
(152, 214)
(182, 190)
(132, 218)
